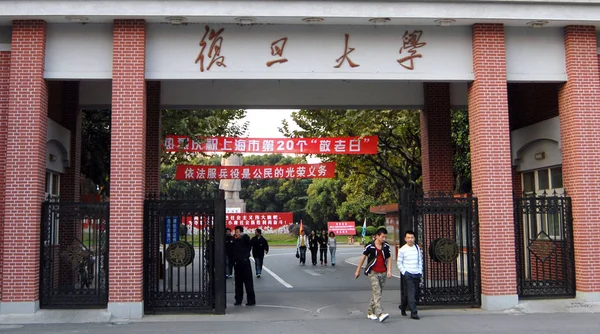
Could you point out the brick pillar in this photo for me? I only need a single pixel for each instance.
(153, 125)
(127, 169)
(579, 103)
(4, 80)
(25, 168)
(70, 185)
(517, 185)
(491, 166)
(436, 143)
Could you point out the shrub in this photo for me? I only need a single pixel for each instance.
(358, 230)
(371, 230)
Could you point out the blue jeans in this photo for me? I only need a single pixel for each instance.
(258, 263)
(332, 253)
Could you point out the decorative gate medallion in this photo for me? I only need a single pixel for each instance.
(180, 254)
(444, 250)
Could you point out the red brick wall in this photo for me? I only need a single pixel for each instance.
(4, 78)
(153, 137)
(128, 161)
(490, 160)
(25, 161)
(579, 103)
(436, 143)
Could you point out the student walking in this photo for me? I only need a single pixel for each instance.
(323, 242)
(260, 247)
(332, 244)
(410, 264)
(243, 270)
(378, 269)
(313, 245)
(301, 247)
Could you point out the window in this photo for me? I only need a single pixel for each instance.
(544, 183)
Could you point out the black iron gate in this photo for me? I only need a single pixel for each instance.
(184, 255)
(544, 246)
(447, 230)
(74, 255)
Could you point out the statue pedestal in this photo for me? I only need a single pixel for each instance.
(235, 205)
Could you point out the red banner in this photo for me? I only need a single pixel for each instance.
(302, 171)
(268, 222)
(342, 228)
(333, 145)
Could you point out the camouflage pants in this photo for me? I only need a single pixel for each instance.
(377, 282)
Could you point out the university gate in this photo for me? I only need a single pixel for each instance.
(544, 246)
(447, 231)
(184, 255)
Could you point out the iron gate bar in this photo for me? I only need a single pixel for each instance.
(452, 221)
(73, 261)
(544, 246)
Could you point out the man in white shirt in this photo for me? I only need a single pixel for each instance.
(410, 264)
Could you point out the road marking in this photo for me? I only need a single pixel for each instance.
(287, 307)
(275, 276)
(322, 308)
(312, 272)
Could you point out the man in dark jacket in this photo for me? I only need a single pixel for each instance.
(243, 271)
(228, 253)
(260, 247)
(379, 267)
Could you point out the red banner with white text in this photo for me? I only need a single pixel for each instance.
(342, 228)
(268, 222)
(324, 170)
(332, 145)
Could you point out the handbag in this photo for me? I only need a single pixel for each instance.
(297, 254)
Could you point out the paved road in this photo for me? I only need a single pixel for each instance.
(293, 299)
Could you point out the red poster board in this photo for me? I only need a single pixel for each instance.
(342, 228)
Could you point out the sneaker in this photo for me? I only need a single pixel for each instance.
(383, 316)
(258, 276)
(372, 316)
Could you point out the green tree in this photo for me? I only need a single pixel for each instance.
(95, 148)
(324, 197)
(275, 195)
(462, 151)
(398, 162)
(195, 124)
(200, 123)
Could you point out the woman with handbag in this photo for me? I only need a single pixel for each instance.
(301, 247)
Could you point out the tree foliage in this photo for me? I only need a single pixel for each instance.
(95, 149)
(462, 151)
(197, 124)
(369, 179)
